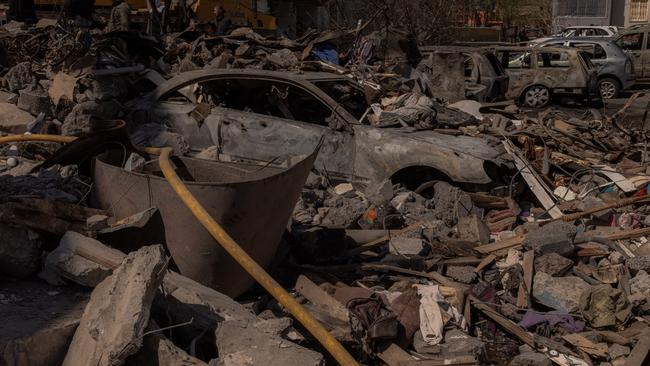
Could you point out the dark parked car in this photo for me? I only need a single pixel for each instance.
(635, 42)
(615, 67)
(267, 115)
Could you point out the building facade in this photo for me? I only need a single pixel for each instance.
(636, 12)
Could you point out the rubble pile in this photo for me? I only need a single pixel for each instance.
(543, 259)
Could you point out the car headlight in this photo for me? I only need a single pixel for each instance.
(629, 68)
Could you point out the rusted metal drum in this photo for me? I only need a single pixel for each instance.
(253, 203)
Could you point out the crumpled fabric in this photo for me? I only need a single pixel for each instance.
(406, 307)
(554, 318)
(435, 312)
(371, 321)
(604, 306)
(410, 109)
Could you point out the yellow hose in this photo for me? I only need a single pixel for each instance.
(254, 270)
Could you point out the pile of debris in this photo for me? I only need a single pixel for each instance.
(548, 263)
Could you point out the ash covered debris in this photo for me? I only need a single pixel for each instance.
(405, 195)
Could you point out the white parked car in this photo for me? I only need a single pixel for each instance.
(593, 31)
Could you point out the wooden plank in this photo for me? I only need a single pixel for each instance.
(321, 299)
(639, 353)
(485, 262)
(462, 261)
(525, 288)
(511, 327)
(455, 360)
(594, 349)
(393, 355)
(501, 244)
(534, 184)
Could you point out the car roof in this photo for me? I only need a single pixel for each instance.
(589, 26)
(581, 39)
(298, 76)
(636, 28)
(536, 49)
(454, 48)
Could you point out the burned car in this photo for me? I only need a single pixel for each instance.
(268, 116)
(540, 75)
(485, 79)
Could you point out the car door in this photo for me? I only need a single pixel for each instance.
(268, 120)
(597, 53)
(635, 44)
(518, 65)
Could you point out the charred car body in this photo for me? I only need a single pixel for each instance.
(615, 67)
(537, 76)
(485, 79)
(268, 116)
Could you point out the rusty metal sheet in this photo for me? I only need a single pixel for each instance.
(253, 203)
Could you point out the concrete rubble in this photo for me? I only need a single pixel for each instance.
(431, 229)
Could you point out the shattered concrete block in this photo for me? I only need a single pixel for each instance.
(64, 262)
(78, 121)
(8, 97)
(13, 120)
(35, 100)
(463, 274)
(380, 193)
(639, 263)
(556, 237)
(640, 286)
(553, 264)
(20, 251)
(38, 321)
(451, 203)
(559, 293)
(283, 58)
(343, 188)
(617, 350)
(472, 228)
(458, 342)
(114, 320)
(157, 350)
(531, 359)
(343, 210)
(20, 76)
(408, 246)
(605, 306)
(420, 346)
(242, 344)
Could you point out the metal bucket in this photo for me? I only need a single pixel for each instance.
(253, 204)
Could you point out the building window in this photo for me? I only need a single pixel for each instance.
(639, 10)
(582, 8)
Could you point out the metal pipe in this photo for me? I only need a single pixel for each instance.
(254, 270)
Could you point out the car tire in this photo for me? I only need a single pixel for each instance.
(609, 88)
(536, 96)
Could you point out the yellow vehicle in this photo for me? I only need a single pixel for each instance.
(135, 4)
(240, 12)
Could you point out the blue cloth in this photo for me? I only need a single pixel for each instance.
(326, 52)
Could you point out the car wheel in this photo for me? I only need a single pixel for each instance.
(609, 88)
(537, 96)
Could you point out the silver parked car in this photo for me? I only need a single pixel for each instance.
(615, 67)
